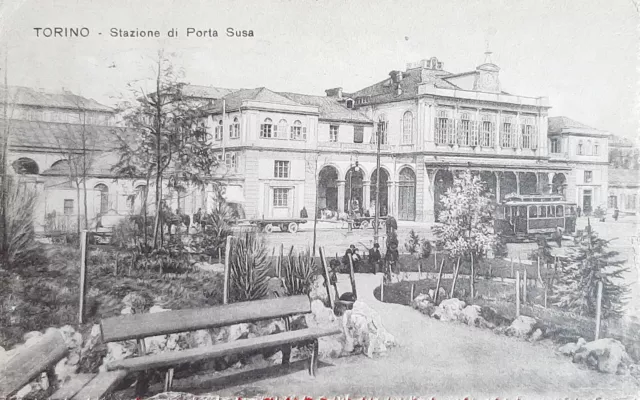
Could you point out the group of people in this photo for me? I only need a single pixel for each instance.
(375, 260)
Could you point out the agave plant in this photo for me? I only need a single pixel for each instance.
(248, 268)
(299, 272)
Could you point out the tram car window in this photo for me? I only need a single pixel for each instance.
(543, 212)
(533, 212)
(560, 211)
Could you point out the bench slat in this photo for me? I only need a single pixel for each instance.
(28, 362)
(102, 384)
(145, 325)
(72, 386)
(219, 350)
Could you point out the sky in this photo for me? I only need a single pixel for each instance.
(582, 54)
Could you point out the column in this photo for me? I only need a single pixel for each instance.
(341, 184)
(391, 198)
(517, 182)
(550, 182)
(518, 133)
(366, 194)
(497, 143)
(497, 174)
(428, 204)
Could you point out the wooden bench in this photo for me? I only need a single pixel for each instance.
(27, 363)
(140, 326)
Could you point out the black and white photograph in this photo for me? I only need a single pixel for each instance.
(319, 199)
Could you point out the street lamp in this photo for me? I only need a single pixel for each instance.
(376, 219)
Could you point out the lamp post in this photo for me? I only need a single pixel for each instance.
(376, 219)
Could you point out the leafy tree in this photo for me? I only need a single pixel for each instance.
(167, 142)
(589, 262)
(466, 222)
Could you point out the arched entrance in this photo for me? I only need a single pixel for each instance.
(354, 189)
(25, 166)
(384, 191)
(328, 188)
(558, 184)
(528, 183)
(407, 195)
(443, 180)
(490, 183)
(104, 197)
(508, 184)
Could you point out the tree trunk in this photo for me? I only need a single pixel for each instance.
(158, 155)
(315, 217)
(472, 278)
(78, 217)
(435, 296)
(455, 277)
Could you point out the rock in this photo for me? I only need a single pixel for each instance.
(157, 309)
(568, 349)
(275, 288)
(205, 266)
(472, 316)
(536, 335)
(117, 351)
(363, 329)
(72, 338)
(44, 381)
(521, 327)
(319, 292)
(232, 332)
(442, 294)
(605, 355)
(199, 338)
(28, 390)
(331, 346)
(126, 311)
(64, 371)
(581, 342)
(320, 315)
(136, 302)
(155, 344)
(30, 336)
(423, 304)
(449, 309)
(264, 328)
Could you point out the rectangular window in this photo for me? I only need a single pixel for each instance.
(508, 134)
(333, 133)
(358, 134)
(381, 132)
(533, 211)
(588, 176)
(231, 160)
(218, 132)
(68, 206)
(596, 149)
(280, 197)
(444, 133)
(555, 146)
(487, 132)
(234, 130)
(613, 202)
(266, 130)
(281, 169)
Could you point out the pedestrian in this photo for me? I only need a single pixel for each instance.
(375, 257)
(303, 213)
(197, 217)
(392, 225)
(579, 210)
(557, 236)
(616, 214)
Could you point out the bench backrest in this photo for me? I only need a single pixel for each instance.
(137, 326)
(28, 362)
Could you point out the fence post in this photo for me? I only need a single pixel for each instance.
(598, 310)
(511, 267)
(83, 274)
(435, 259)
(524, 287)
(352, 277)
(225, 289)
(419, 270)
(412, 289)
(327, 277)
(517, 294)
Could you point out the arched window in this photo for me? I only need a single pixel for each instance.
(218, 130)
(281, 130)
(580, 148)
(104, 197)
(234, 129)
(349, 103)
(407, 128)
(26, 166)
(296, 131)
(596, 148)
(141, 195)
(266, 129)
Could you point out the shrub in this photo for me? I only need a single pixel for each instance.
(248, 268)
(414, 242)
(425, 248)
(216, 227)
(21, 244)
(299, 272)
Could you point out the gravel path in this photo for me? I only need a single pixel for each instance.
(441, 359)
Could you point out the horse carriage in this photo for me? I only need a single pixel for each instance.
(368, 222)
(267, 225)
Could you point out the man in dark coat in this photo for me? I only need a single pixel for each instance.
(375, 257)
(391, 224)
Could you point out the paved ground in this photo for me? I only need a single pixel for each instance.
(440, 359)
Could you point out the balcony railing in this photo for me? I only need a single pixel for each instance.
(354, 146)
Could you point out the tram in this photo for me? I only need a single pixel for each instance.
(523, 217)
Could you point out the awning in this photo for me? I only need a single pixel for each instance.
(233, 194)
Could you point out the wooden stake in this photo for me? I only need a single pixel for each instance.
(225, 283)
(412, 289)
(471, 279)
(219, 255)
(419, 270)
(545, 296)
(517, 293)
(382, 289)
(327, 278)
(83, 274)
(455, 278)
(435, 296)
(115, 268)
(511, 267)
(598, 310)
(539, 273)
(435, 258)
(352, 277)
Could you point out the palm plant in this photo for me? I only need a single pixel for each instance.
(299, 272)
(248, 268)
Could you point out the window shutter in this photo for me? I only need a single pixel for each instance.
(304, 133)
(474, 133)
(291, 134)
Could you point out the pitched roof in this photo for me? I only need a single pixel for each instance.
(29, 97)
(330, 108)
(624, 177)
(53, 135)
(206, 92)
(234, 100)
(386, 90)
(557, 124)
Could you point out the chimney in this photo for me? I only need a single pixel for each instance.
(396, 76)
(335, 92)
